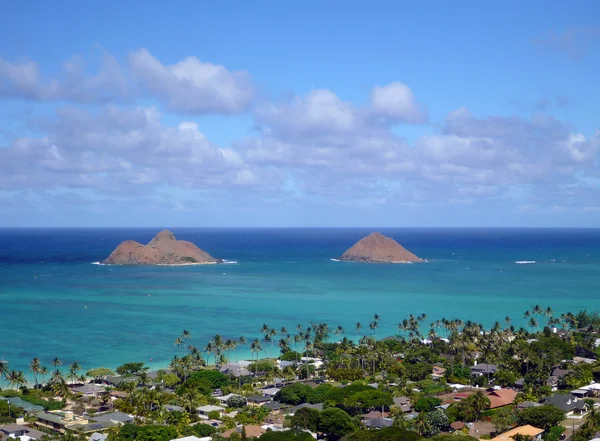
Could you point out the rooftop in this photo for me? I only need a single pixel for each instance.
(522, 430)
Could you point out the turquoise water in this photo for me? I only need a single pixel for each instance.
(55, 302)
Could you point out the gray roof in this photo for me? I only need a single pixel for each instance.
(560, 373)
(171, 408)
(18, 430)
(118, 380)
(98, 436)
(526, 404)
(52, 417)
(119, 417)
(318, 406)
(379, 422)
(89, 388)
(485, 368)
(274, 405)
(92, 426)
(258, 399)
(566, 402)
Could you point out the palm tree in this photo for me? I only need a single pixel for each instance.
(73, 369)
(3, 371)
(56, 362)
(358, 327)
(255, 347)
(507, 320)
(35, 367)
(479, 402)
(178, 342)
(186, 334)
(16, 378)
(421, 424)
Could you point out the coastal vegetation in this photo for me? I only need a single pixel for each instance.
(425, 381)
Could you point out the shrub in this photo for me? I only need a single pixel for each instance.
(427, 404)
(293, 394)
(215, 378)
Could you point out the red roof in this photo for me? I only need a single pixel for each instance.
(501, 397)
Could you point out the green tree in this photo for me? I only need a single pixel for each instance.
(437, 422)
(288, 435)
(427, 404)
(543, 417)
(156, 433)
(368, 400)
(505, 378)
(335, 423)
(306, 418)
(214, 377)
(388, 434)
(131, 368)
(294, 394)
(99, 373)
(504, 419)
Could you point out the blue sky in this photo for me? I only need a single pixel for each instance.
(306, 114)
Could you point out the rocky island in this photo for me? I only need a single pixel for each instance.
(377, 248)
(164, 249)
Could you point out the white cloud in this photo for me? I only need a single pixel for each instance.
(396, 103)
(188, 86)
(192, 86)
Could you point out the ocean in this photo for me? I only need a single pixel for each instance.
(56, 303)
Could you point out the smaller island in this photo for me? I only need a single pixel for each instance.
(377, 248)
(163, 249)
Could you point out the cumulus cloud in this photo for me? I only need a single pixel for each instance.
(318, 147)
(120, 151)
(189, 86)
(192, 86)
(396, 103)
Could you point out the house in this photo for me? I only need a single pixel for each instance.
(593, 389)
(375, 414)
(527, 405)
(119, 394)
(528, 431)
(224, 398)
(116, 380)
(172, 408)
(116, 418)
(586, 360)
(378, 423)
(520, 383)
(236, 370)
(270, 392)
(98, 436)
(403, 403)
(501, 397)
(92, 427)
(203, 411)
(581, 393)
(24, 433)
(274, 406)
(437, 372)
(89, 389)
(251, 431)
(257, 400)
(556, 375)
(317, 362)
(58, 421)
(567, 402)
(483, 369)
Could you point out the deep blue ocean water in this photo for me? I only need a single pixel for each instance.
(55, 302)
